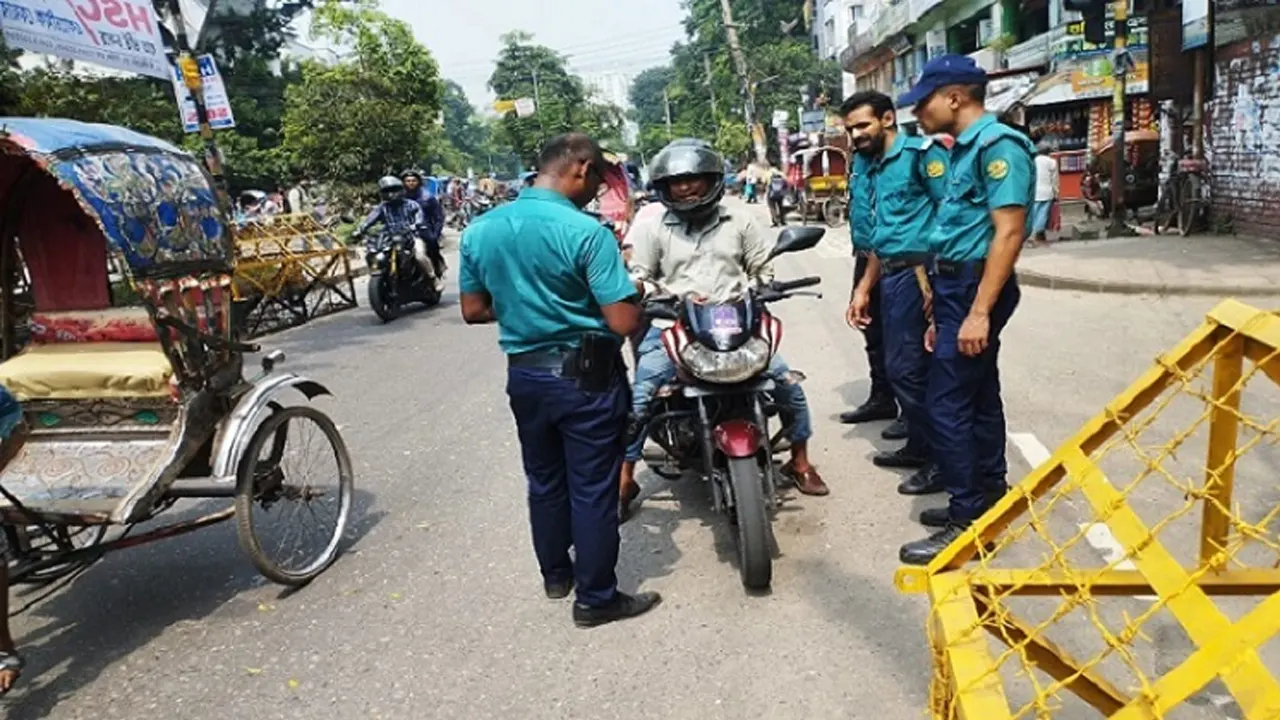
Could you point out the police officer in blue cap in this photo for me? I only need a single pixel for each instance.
(977, 237)
(553, 279)
(908, 178)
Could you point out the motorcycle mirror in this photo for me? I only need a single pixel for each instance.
(795, 239)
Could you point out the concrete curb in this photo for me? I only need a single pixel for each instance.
(1031, 278)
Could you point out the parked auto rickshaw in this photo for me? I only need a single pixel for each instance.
(823, 186)
(1142, 174)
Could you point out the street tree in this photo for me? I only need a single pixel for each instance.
(372, 114)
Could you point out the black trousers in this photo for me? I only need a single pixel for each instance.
(874, 336)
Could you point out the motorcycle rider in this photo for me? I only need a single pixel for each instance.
(701, 247)
(400, 214)
(432, 213)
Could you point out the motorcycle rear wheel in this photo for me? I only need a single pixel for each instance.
(385, 308)
(755, 555)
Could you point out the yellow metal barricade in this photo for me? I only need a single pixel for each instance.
(1136, 573)
(290, 269)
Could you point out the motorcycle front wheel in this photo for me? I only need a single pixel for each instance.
(755, 556)
(384, 307)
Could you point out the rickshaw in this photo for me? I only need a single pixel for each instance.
(129, 367)
(823, 185)
(1142, 173)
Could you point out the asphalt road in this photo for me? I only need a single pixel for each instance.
(435, 609)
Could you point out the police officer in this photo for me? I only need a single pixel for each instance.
(880, 405)
(908, 179)
(977, 238)
(554, 281)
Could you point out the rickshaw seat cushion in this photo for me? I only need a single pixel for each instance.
(114, 325)
(88, 371)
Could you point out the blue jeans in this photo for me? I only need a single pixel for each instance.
(965, 408)
(654, 369)
(905, 359)
(572, 444)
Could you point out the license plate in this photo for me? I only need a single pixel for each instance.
(725, 319)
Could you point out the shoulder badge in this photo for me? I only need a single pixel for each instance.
(935, 169)
(997, 169)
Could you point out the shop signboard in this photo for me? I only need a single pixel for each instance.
(1073, 45)
(217, 103)
(117, 34)
(1195, 24)
(1093, 77)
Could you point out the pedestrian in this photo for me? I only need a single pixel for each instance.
(908, 179)
(1046, 194)
(777, 197)
(880, 404)
(11, 440)
(553, 279)
(299, 200)
(977, 237)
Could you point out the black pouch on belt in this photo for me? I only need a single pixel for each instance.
(596, 362)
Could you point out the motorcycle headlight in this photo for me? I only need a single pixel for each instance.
(726, 368)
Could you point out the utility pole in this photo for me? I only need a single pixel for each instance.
(711, 88)
(537, 109)
(740, 61)
(190, 70)
(1120, 69)
(666, 100)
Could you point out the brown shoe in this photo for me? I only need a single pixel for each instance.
(808, 483)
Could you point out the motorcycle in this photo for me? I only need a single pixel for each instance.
(395, 278)
(714, 418)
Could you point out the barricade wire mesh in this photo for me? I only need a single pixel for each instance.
(1122, 578)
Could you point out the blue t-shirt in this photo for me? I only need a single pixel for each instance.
(549, 268)
(992, 167)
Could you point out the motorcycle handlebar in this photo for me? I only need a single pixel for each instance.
(789, 285)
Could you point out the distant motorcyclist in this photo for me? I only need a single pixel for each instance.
(433, 215)
(398, 214)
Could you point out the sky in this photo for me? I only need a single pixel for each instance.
(628, 37)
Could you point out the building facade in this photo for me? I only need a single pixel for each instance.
(834, 22)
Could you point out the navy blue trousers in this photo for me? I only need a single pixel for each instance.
(572, 443)
(905, 360)
(965, 409)
(874, 334)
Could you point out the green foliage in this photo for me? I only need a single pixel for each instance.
(782, 68)
(373, 115)
(526, 70)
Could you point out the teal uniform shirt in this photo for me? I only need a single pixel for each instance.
(861, 204)
(910, 180)
(992, 167)
(549, 268)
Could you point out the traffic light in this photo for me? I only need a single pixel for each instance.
(1095, 18)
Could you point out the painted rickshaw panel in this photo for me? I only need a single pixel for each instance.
(96, 459)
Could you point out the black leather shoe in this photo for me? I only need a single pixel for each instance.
(877, 408)
(558, 590)
(922, 552)
(899, 459)
(623, 607)
(926, 481)
(896, 431)
(935, 517)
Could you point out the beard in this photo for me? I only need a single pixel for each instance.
(873, 147)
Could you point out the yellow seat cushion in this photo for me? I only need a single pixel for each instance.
(88, 371)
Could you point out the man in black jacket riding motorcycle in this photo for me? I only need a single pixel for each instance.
(400, 214)
(432, 212)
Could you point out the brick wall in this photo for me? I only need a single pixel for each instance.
(1243, 140)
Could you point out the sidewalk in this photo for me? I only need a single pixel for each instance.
(1218, 265)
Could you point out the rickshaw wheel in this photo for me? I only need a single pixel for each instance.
(78, 538)
(833, 212)
(265, 487)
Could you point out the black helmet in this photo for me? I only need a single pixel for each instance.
(411, 172)
(689, 158)
(390, 188)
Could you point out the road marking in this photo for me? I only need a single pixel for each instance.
(1098, 535)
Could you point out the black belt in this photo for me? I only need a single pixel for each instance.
(899, 263)
(951, 268)
(545, 359)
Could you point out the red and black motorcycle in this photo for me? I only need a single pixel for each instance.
(714, 418)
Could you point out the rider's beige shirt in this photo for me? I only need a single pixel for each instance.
(718, 262)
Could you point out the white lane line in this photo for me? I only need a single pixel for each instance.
(1098, 535)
